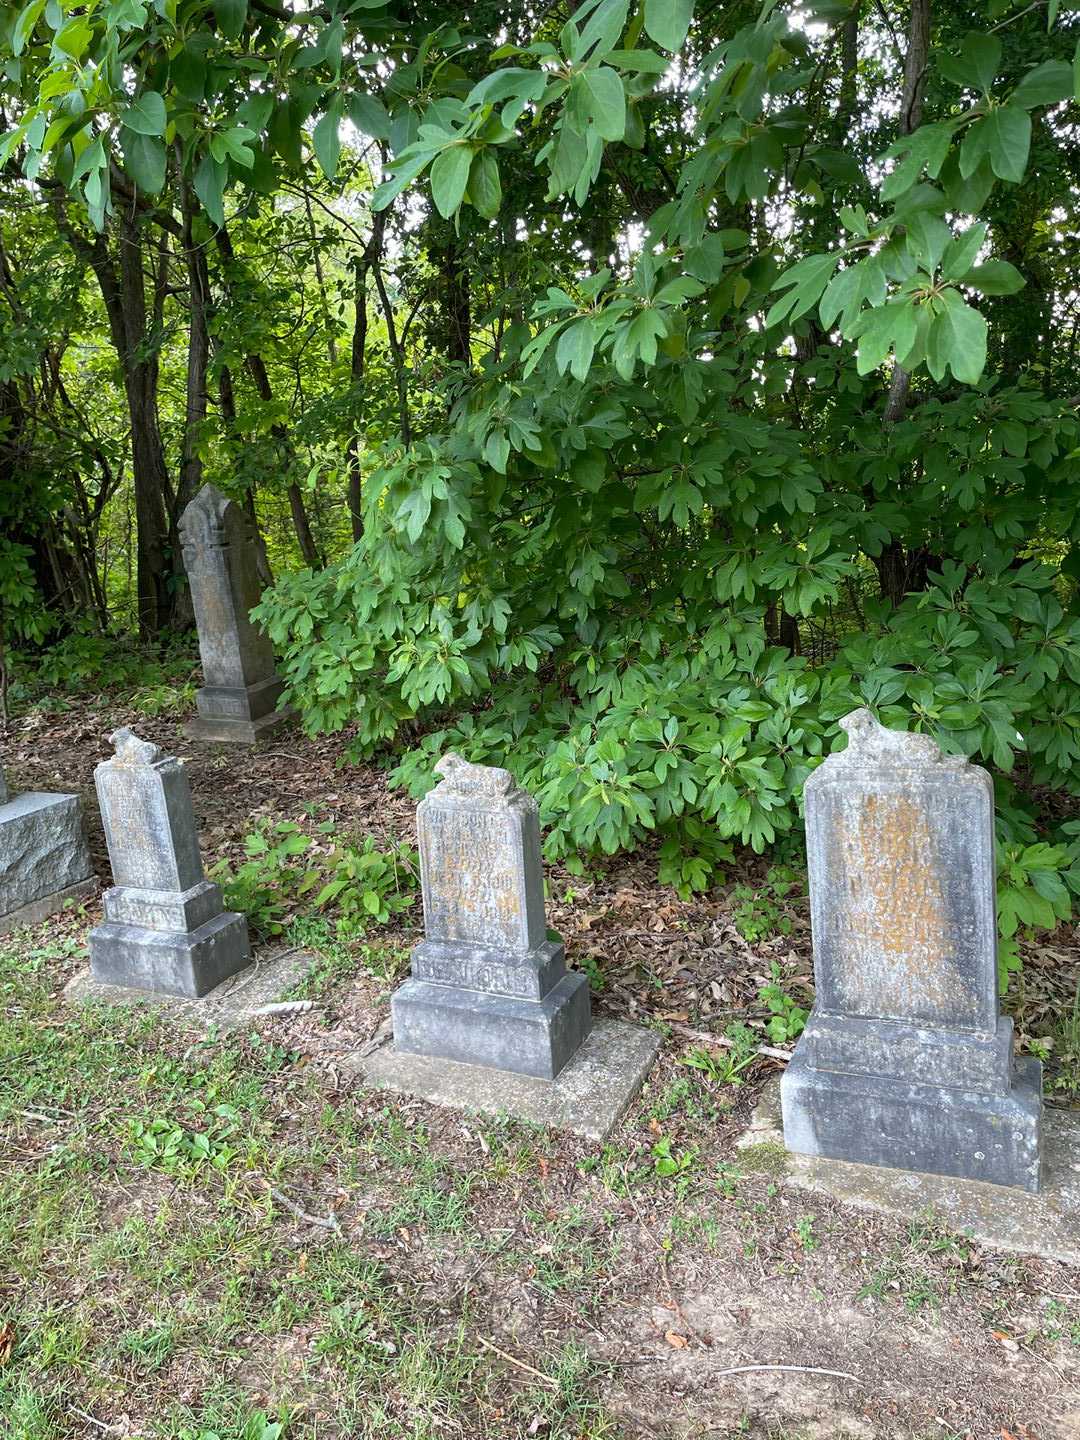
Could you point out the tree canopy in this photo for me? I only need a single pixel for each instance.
(625, 391)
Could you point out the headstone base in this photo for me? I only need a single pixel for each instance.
(588, 1098)
(234, 1003)
(936, 1129)
(501, 1032)
(1047, 1224)
(229, 730)
(170, 962)
(46, 905)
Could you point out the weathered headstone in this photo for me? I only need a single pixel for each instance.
(165, 929)
(488, 987)
(239, 697)
(905, 1060)
(44, 859)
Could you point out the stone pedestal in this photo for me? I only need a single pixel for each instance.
(44, 859)
(238, 702)
(488, 987)
(905, 1060)
(165, 929)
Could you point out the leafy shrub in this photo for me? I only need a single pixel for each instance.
(359, 886)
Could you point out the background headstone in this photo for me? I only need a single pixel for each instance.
(239, 697)
(905, 1060)
(44, 859)
(488, 987)
(165, 929)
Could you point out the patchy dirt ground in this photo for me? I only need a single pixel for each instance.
(549, 1286)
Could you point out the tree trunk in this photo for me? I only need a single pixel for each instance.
(358, 366)
(227, 401)
(256, 368)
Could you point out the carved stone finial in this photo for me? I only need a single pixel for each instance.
(870, 742)
(130, 750)
(460, 777)
(203, 521)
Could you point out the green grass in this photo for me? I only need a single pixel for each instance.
(146, 1270)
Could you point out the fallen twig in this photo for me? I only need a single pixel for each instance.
(706, 1037)
(92, 1420)
(326, 1222)
(285, 1007)
(798, 1369)
(511, 1360)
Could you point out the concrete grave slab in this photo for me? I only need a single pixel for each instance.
(997, 1216)
(229, 1007)
(588, 1097)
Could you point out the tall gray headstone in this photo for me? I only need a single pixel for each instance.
(165, 929)
(905, 1060)
(239, 698)
(44, 858)
(488, 987)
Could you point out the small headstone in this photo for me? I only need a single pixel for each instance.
(488, 987)
(44, 858)
(165, 929)
(239, 697)
(905, 1060)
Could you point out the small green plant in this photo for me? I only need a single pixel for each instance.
(760, 913)
(369, 885)
(691, 856)
(1060, 1052)
(668, 1163)
(260, 888)
(1032, 894)
(726, 1065)
(162, 1144)
(155, 700)
(786, 1018)
(589, 965)
(804, 1230)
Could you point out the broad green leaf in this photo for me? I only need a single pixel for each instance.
(146, 114)
(209, 185)
(449, 177)
(606, 101)
(231, 15)
(74, 38)
(326, 138)
(1046, 84)
(404, 174)
(644, 62)
(485, 188)
(24, 26)
(995, 277)
(957, 340)
(1008, 130)
(144, 160)
(667, 21)
(959, 254)
(976, 63)
(369, 116)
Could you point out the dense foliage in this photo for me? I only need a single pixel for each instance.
(641, 386)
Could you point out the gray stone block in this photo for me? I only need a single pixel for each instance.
(190, 963)
(43, 855)
(237, 703)
(529, 1037)
(164, 929)
(38, 910)
(488, 987)
(939, 1129)
(905, 1061)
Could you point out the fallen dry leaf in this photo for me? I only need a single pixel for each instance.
(7, 1342)
(675, 1340)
